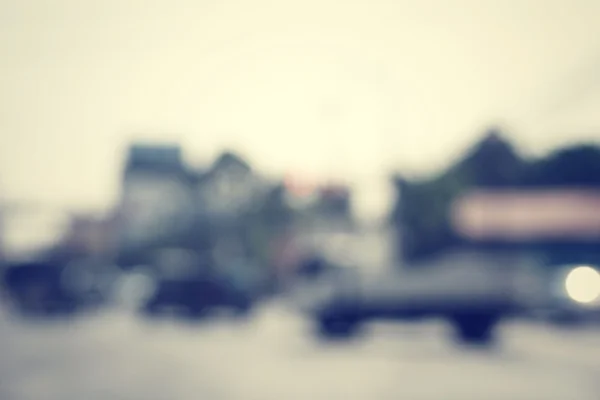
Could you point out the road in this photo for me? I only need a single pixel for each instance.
(117, 356)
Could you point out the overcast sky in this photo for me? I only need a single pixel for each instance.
(407, 85)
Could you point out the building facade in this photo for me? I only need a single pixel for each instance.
(157, 194)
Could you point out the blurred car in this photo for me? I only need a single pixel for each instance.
(313, 266)
(46, 287)
(473, 295)
(184, 284)
(195, 296)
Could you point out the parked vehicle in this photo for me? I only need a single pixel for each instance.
(473, 294)
(184, 284)
(37, 287)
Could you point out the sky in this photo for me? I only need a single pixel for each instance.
(318, 88)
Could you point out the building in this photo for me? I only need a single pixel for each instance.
(318, 220)
(157, 194)
(165, 203)
(229, 188)
(90, 236)
(227, 211)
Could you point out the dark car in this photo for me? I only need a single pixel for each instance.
(37, 287)
(312, 267)
(196, 296)
(48, 286)
(189, 287)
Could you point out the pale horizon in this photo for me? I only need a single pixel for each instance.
(408, 85)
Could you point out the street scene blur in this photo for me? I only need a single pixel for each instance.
(265, 201)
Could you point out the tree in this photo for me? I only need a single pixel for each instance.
(573, 166)
(422, 210)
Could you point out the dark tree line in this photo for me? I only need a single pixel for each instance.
(422, 210)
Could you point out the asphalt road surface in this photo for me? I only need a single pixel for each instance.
(117, 356)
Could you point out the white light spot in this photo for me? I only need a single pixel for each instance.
(583, 284)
